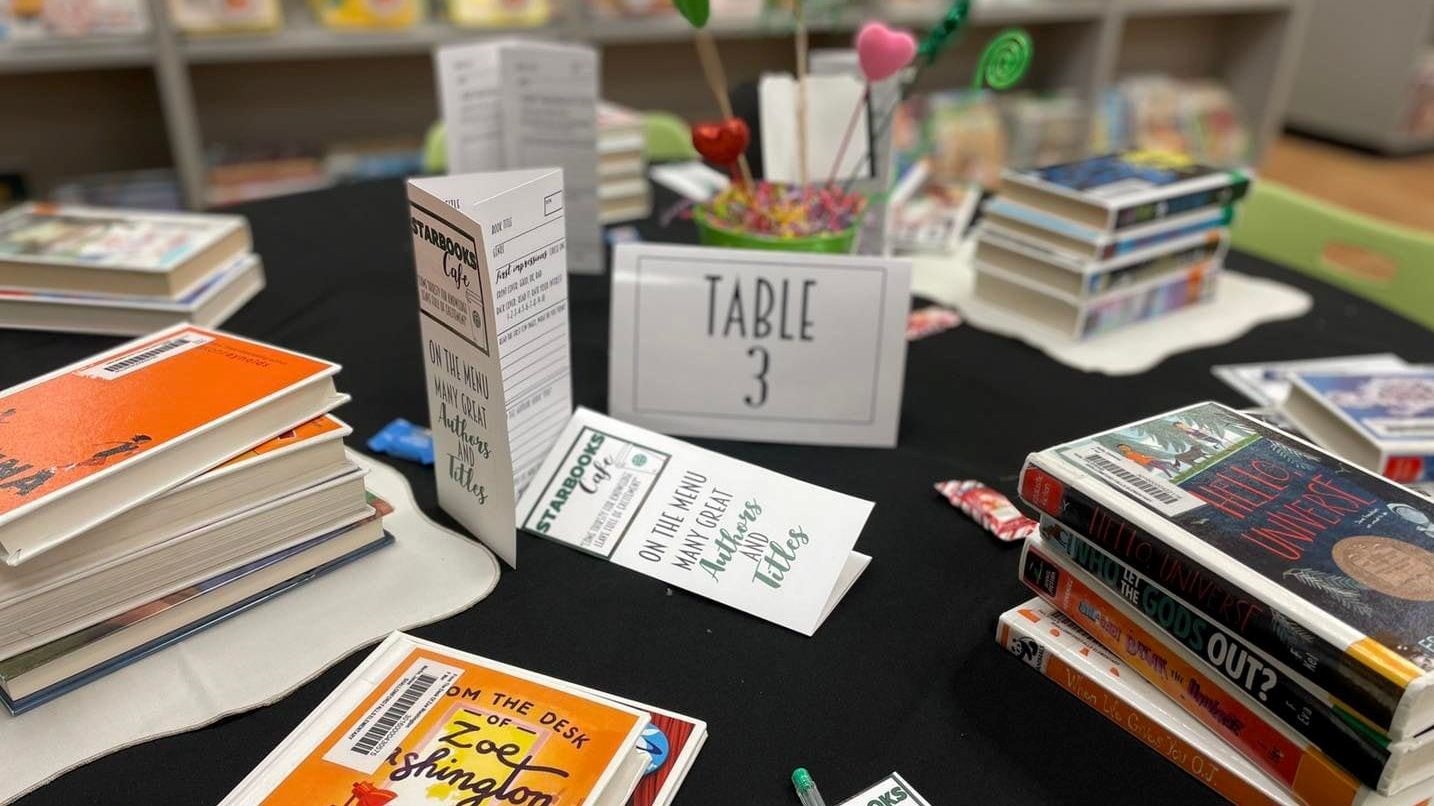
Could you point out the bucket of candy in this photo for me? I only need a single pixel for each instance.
(784, 217)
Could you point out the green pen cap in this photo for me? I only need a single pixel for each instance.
(802, 780)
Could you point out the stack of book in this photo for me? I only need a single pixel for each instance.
(1280, 597)
(419, 721)
(1087, 247)
(623, 194)
(120, 272)
(159, 488)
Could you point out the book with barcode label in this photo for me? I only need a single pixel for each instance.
(421, 723)
(1380, 419)
(1320, 563)
(93, 440)
(94, 250)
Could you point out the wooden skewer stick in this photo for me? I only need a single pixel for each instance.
(717, 82)
(801, 37)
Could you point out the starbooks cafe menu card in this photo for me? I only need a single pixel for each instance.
(493, 314)
(772, 546)
(420, 723)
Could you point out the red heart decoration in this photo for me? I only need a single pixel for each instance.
(721, 143)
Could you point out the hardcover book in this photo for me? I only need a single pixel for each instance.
(1075, 241)
(1044, 639)
(1362, 751)
(1002, 249)
(1381, 420)
(207, 304)
(1080, 318)
(1318, 563)
(1301, 767)
(418, 722)
(37, 676)
(1114, 191)
(95, 439)
(97, 251)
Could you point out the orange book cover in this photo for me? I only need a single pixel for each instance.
(449, 728)
(112, 411)
(326, 426)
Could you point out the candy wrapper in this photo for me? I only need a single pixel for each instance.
(988, 507)
(404, 440)
(929, 321)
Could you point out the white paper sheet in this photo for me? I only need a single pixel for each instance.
(427, 574)
(1240, 303)
(830, 102)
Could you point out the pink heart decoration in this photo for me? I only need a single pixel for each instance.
(882, 51)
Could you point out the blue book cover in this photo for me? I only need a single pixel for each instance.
(1330, 547)
(1383, 420)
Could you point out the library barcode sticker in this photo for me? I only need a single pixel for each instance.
(364, 746)
(1132, 479)
(145, 356)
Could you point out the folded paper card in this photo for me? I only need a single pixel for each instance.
(773, 546)
(892, 789)
(761, 345)
(493, 313)
(520, 103)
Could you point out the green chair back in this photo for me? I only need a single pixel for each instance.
(1390, 265)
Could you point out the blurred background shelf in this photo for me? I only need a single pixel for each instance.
(175, 100)
(1368, 79)
(96, 54)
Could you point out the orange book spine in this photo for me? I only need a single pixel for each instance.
(1205, 768)
(1300, 767)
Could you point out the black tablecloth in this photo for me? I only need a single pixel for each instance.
(904, 676)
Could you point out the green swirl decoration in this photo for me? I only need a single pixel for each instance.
(1005, 60)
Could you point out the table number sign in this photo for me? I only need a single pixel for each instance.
(493, 313)
(764, 543)
(759, 345)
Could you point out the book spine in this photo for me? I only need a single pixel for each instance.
(1148, 728)
(1302, 769)
(1360, 687)
(1175, 205)
(1408, 468)
(1192, 286)
(1230, 657)
(1128, 245)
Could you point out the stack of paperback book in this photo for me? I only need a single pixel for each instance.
(418, 722)
(95, 270)
(1280, 597)
(1086, 247)
(623, 194)
(161, 487)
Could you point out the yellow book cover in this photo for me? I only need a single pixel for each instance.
(369, 14)
(418, 723)
(500, 13)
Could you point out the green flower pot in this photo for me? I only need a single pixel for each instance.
(711, 234)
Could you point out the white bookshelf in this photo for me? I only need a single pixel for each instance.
(174, 94)
(1355, 84)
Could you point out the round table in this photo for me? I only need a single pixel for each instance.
(905, 675)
